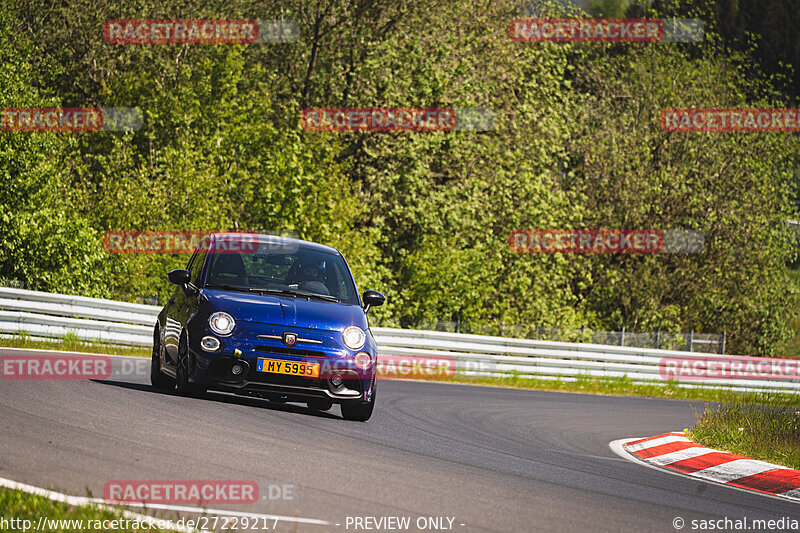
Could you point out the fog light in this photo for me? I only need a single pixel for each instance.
(362, 360)
(336, 380)
(210, 344)
(236, 369)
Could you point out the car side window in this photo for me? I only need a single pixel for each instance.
(196, 265)
(336, 284)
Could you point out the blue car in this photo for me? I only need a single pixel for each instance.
(270, 317)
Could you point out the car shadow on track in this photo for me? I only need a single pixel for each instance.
(222, 397)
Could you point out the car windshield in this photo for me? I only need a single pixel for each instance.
(295, 272)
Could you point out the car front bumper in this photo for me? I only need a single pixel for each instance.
(254, 341)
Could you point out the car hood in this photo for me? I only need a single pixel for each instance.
(286, 310)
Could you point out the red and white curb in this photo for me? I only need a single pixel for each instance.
(674, 451)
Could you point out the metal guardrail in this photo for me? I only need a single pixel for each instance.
(478, 355)
(43, 315)
(51, 316)
(662, 340)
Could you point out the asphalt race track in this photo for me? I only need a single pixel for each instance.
(494, 459)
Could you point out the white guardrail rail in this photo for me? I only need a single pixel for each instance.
(47, 316)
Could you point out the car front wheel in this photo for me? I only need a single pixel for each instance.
(158, 379)
(182, 382)
(359, 411)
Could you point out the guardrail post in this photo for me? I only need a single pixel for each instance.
(622, 337)
(723, 342)
(691, 340)
(657, 338)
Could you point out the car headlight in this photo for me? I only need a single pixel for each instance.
(354, 337)
(221, 323)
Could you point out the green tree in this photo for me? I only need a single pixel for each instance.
(608, 8)
(734, 188)
(44, 244)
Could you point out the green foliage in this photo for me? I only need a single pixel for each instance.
(423, 217)
(44, 243)
(52, 252)
(71, 343)
(608, 8)
(760, 34)
(23, 510)
(731, 187)
(766, 432)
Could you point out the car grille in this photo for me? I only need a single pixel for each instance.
(279, 350)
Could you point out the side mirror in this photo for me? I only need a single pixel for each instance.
(372, 299)
(179, 276)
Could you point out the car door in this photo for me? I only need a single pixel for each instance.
(180, 307)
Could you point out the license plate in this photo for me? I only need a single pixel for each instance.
(309, 370)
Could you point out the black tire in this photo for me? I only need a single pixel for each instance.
(182, 382)
(320, 404)
(359, 411)
(158, 379)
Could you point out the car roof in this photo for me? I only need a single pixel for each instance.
(267, 238)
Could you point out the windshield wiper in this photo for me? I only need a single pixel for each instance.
(287, 292)
(227, 287)
(302, 294)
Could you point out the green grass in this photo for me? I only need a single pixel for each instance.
(71, 343)
(766, 432)
(791, 347)
(24, 506)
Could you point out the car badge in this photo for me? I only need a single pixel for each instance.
(290, 339)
